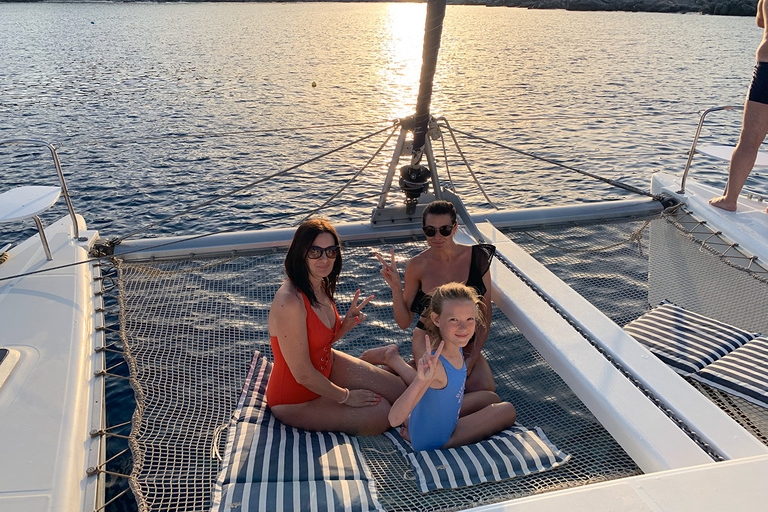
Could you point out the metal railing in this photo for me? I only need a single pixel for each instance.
(56, 162)
(696, 141)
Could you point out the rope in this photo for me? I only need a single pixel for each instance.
(249, 185)
(353, 178)
(464, 158)
(615, 183)
(636, 236)
(99, 259)
(570, 118)
(759, 275)
(202, 135)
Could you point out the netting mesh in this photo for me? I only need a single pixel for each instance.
(190, 328)
(627, 267)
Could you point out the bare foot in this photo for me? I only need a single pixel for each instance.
(721, 202)
(404, 433)
(380, 355)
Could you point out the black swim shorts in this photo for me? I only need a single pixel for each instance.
(758, 89)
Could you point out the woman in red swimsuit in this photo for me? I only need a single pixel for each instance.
(312, 386)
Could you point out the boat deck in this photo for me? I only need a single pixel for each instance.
(49, 399)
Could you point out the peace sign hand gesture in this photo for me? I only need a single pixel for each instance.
(427, 368)
(354, 314)
(390, 273)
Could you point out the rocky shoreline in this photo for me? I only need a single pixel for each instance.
(717, 7)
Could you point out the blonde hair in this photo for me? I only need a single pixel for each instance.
(446, 293)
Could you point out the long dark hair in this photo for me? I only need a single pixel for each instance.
(439, 208)
(443, 294)
(296, 260)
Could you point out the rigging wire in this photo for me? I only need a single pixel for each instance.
(466, 163)
(609, 181)
(249, 185)
(269, 221)
(202, 135)
(357, 174)
(571, 118)
(451, 184)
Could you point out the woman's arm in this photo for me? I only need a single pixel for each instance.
(353, 317)
(402, 297)
(481, 333)
(290, 326)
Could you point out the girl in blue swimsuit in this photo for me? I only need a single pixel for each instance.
(430, 408)
(443, 262)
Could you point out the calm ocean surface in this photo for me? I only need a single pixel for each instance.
(158, 107)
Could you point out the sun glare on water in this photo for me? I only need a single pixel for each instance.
(404, 24)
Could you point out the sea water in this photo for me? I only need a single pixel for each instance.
(157, 108)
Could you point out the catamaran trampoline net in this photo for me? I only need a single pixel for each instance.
(190, 328)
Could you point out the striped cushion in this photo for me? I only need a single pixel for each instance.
(685, 340)
(269, 466)
(513, 452)
(743, 372)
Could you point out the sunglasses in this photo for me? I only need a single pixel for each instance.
(316, 252)
(430, 231)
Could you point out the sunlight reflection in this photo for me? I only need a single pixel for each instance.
(402, 64)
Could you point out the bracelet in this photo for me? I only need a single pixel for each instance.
(346, 397)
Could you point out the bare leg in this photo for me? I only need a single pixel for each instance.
(753, 131)
(482, 424)
(481, 378)
(324, 414)
(418, 343)
(477, 400)
(389, 356)
(354, 373)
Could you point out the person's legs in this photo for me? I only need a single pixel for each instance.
(477, 400)
(481, 378)
(753, 131)
(324, 414)
(482, 424)
(351, 372)
(389, 356)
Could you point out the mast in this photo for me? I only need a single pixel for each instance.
(414, 177)
(433, 29)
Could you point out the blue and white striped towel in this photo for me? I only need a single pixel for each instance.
(685, 340)
(514, 452)
(743, 372)
(269, 466)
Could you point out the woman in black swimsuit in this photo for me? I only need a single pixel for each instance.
(444, 262)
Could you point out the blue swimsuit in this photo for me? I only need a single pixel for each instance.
(434, 418)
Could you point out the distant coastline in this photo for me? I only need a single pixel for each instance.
(715, 7)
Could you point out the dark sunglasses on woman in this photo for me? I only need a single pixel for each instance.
(430, 231)
(316, 252)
